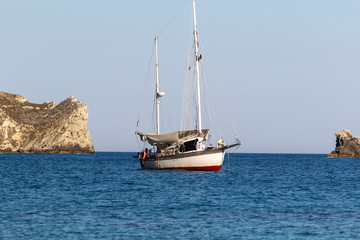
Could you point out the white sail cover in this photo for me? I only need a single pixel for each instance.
(174, 138)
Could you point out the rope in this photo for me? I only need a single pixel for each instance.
(221, 98)
(172, 18)
(185, 120)
(143, 94)
(229, 156)
(208, 115)
(137, 139)
(152, 113)
(146, 82)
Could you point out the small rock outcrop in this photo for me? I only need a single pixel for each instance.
(347, 146)
(43, 128)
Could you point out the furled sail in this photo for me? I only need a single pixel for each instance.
(174, 138)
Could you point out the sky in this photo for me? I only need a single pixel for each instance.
(288, 71)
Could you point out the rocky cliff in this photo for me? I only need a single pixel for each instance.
(43, 128)
(347, 146)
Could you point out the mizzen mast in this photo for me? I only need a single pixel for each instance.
(197, 59)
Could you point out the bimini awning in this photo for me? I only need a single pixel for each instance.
(174, 138)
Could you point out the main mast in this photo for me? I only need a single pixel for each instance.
(157, 93)
(197, 58)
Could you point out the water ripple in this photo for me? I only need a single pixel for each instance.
(260, 196)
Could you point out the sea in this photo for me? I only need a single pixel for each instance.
(108, 196)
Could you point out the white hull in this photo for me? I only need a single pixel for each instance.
(206, 161)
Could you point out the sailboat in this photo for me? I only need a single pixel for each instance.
(183, 149)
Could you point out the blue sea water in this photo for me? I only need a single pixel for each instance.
(108, 196)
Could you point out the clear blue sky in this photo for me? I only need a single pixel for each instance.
(289, 70)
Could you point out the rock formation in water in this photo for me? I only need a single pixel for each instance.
(43, 128)
(347, 146)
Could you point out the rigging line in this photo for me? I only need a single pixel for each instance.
(214, 119)
(169, 118)
(228, 158)
(146, 81)
(184, 99)
(222, 100)
(137, 140)
(206, 103)
(190, 103)
(187, 121)
(183, 104)
(189, 111)
(188, 107)
(185, 107)
(142, 98)
(191, 85)
(162, 112)
(204, 96)
(185, 115)
(152, 114)
(216, 122)
(210, 114)
(237, 147)
(195, 104)
(172, 18)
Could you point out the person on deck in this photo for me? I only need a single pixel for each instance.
(144, 154)
(147, 153)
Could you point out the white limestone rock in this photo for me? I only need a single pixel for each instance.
(43, 128)
(347, 146)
